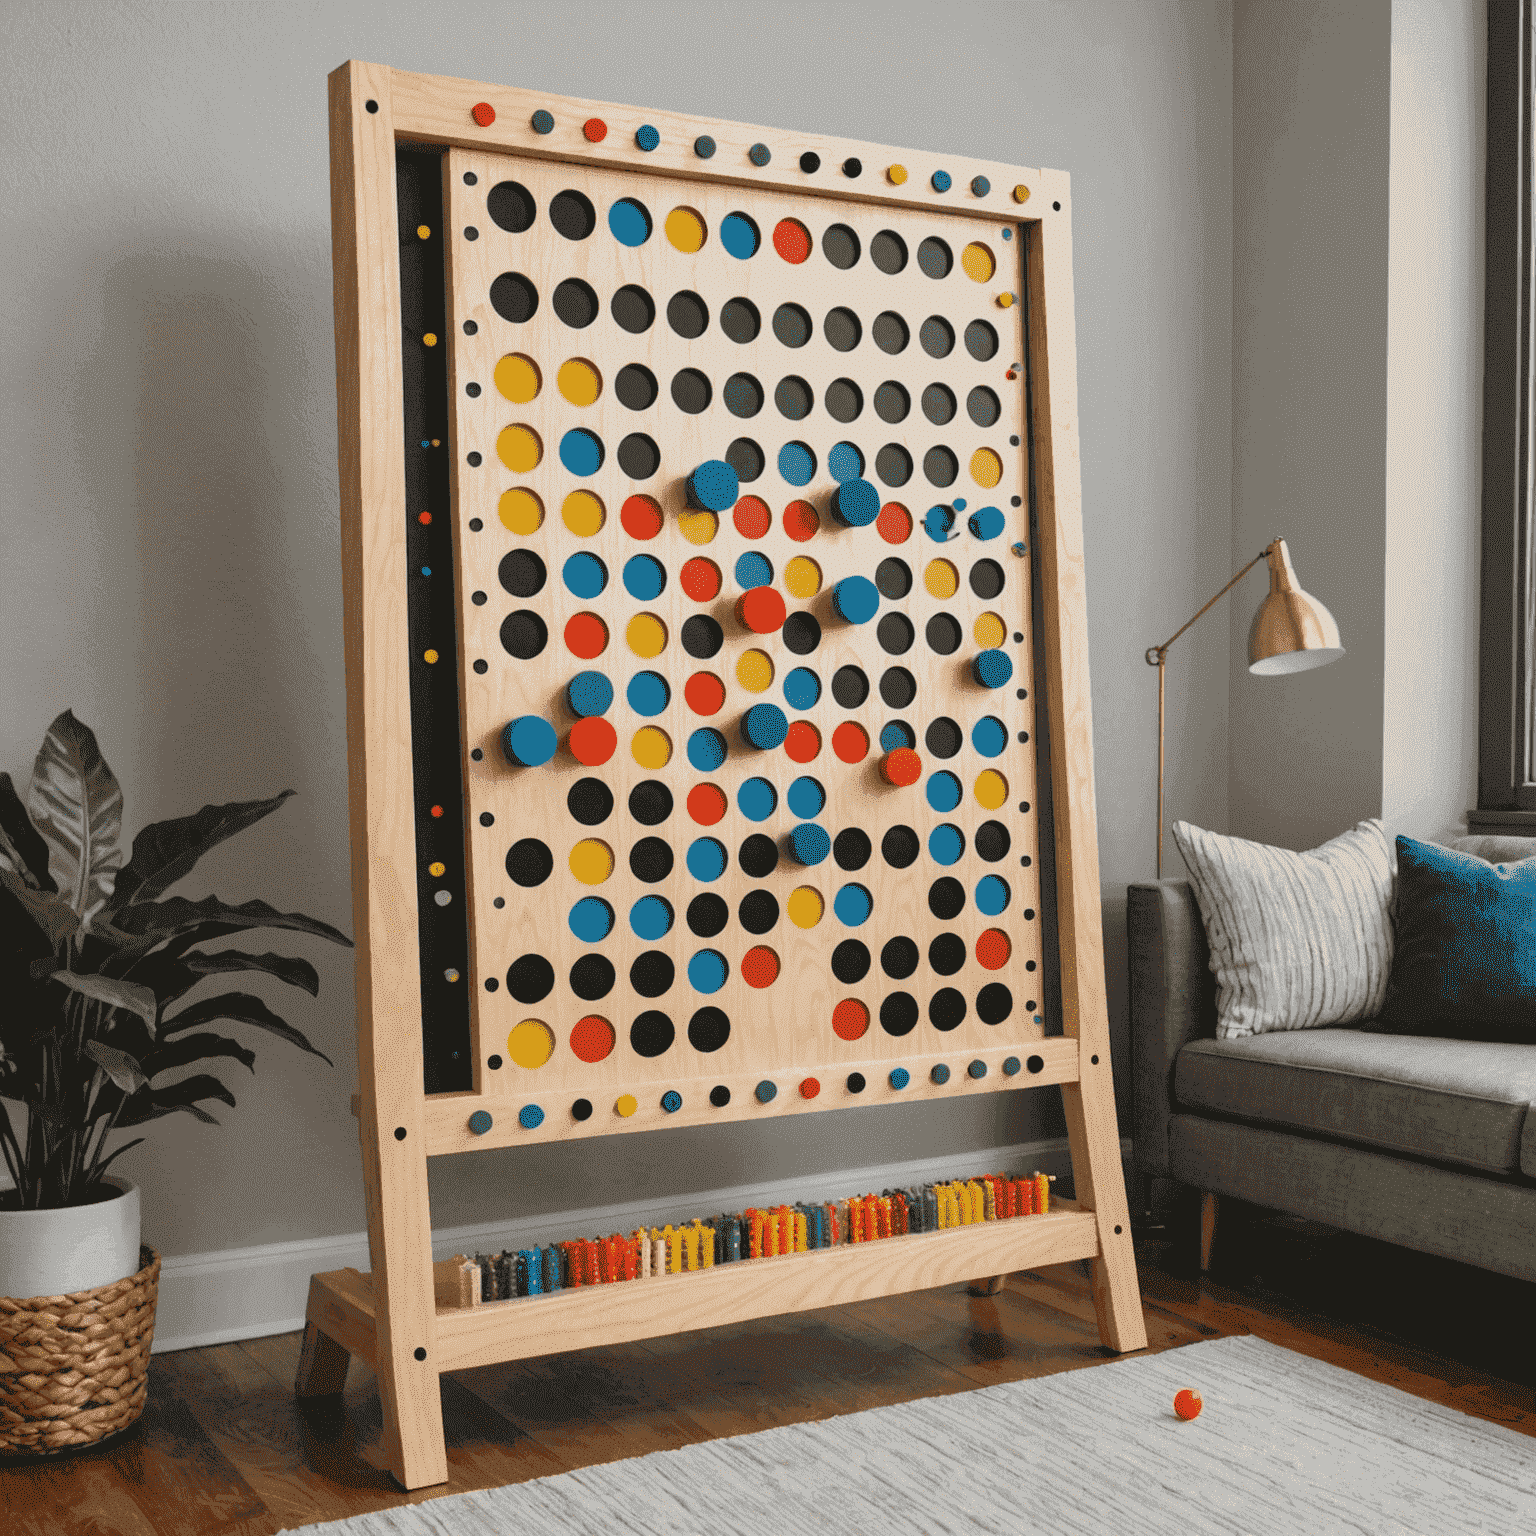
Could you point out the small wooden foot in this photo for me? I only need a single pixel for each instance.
(988, 1287)
(322, 1365)
(1209, 1205)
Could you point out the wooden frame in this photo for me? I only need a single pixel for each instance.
(1506, 779)
(401, 1317)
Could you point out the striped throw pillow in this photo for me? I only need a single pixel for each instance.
(1298, 940)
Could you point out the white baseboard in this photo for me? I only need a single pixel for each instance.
(249, 1293)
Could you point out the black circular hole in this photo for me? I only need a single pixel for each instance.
(793, 397)
(758, 912)
(792, 325)
(888, 251)
(943, 737)
(702, 637)
(639, 457)
(853, 167)
(801, 634)
(373, 106)
(986, 578)
(939, 404)
(529, 863)
(1036, 1064)
(934, 258)
(691, 391)
(514, 297)
(581, 1109)
(850, 686)
(470, 179)
(842, 329)
(719, 1096)
(898, 959)
(893, 578)
(940, 466)
(470, 328)
(592, 977)
(746, 458)
(708, 1030)
(633, 309)
(758, 856)
(890, 332)
(844, 400)
(688, 314)
(850, 961)
(576, 303)
(420, 1353)
(743, 395)
(946, 898)
(572, 213)
(707, 915)
(523, 634)
(810, 163)
(840, 246)
(399, 1133)
(652, 1034)
(852, 848)
(650, 802)
(893, 464)
(740, 320)
(650, 860)
(652, 974)
(511, 206)
(486, 818)
(994, 1003)
(898, 1014)
(946, 953)
(590, 801)
(983, 406)
(947, 1009)
(943, 634)
(895, 634)
(992, 841)
(936, 336)
(900, 847)
(522, 572)
(636, 387)
(898, 687)
(472, 390)
(892, 402)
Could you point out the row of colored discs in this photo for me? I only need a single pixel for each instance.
(532, 1116)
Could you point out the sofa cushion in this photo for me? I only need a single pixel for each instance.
(1298, 940)
(1452, 1101)
(1464, 959)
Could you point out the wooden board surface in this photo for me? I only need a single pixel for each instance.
(786, 1028)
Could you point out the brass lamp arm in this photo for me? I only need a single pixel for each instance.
(1157, 653)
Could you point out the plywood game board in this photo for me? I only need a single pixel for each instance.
(692, 677)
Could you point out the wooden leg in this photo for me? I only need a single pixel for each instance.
(322, 1365)
(988, 1287)
(1208, 1211)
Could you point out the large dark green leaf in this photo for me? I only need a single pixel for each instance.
(167, 850)
(126, 1073)
(151, 1103)
(289, 968)
(113, 991)
(217, 918)
(52, 914)
(185, 1049)
(21, 844)
(75, 803)
(237, 1008)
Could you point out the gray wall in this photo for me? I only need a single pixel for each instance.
(170, 526)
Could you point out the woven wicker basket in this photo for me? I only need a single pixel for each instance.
(74, 1369)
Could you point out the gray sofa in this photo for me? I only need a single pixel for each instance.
(1423, 1142)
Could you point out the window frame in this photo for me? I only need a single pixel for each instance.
(1506, 778)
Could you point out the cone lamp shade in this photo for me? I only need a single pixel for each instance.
(1292, 631)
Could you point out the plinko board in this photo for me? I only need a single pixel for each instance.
(712, 560)
(744, 595)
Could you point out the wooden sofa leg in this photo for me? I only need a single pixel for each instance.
(1209, 1204)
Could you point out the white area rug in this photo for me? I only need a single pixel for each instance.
(1285, 1444)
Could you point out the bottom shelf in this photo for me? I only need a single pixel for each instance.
(341, 1302)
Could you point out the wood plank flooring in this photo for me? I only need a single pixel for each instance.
(224, 1446)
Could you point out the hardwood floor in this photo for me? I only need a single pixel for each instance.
(224, 1446)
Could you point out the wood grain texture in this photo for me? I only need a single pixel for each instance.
(783, 1031)
(1090, 1103)
(436, 110)
(372, 478)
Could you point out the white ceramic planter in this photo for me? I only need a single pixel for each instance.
(76, 1248)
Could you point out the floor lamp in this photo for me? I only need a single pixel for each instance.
(1291, 632)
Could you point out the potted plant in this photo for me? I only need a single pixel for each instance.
(104, 1002)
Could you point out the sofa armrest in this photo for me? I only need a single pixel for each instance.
(1173, 1001)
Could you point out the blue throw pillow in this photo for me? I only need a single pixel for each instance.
(1464, 951)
